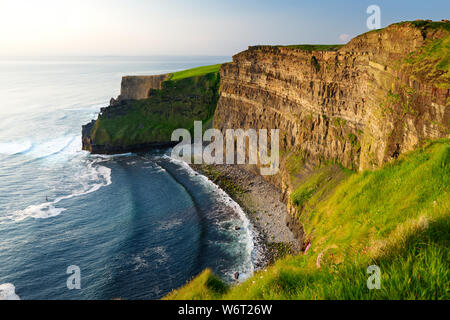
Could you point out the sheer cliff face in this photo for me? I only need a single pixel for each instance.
(138, 87)
(361, 105)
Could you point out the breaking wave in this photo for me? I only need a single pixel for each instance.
(52, 147)
(253, 252)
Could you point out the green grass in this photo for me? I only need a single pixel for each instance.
(200, 71)
(430, 62)
(396, 217)
(177, 105)
(309, 187)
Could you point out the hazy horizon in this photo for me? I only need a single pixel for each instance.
(137, 28)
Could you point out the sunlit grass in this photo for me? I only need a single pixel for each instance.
(396, 217)
(200, 71)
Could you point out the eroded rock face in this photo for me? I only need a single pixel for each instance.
(357, 105)
(138, 87)
(361, 105)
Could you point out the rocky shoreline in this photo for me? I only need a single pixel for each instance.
(261, 202)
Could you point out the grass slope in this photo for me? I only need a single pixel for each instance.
(189, 95)
(396, 217)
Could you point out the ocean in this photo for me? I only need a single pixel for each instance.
(136, 225)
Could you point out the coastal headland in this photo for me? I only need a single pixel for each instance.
(364, 157)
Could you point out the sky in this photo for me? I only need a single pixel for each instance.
(190, 27)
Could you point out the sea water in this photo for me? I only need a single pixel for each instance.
(136, 225)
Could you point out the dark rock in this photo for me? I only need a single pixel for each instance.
(112, 102)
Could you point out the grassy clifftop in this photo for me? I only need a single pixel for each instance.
(396, 217)
(184, 97)
(195, 72)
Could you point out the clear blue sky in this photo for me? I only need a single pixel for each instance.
(181, 27)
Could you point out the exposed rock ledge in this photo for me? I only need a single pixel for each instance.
(138, 87)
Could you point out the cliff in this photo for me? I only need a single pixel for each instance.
(364, 163)
(357, 106)
(360, 105)
(150, 108)
(139, 87)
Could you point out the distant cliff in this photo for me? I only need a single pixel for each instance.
(149, 108)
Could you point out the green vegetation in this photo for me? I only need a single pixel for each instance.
(396, 217)
(195, 72)
(187, 96)
(317, 186)
(294, 164)
(354, 141)
(206, 286)
(309, 187)
(428, 24)
(338, 122)
(432, 61)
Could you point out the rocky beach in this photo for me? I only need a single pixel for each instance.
(261, 202)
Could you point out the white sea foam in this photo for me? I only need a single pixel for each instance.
(95, 177)
(253, 252)
(111, 156)
(92, 176)
(162, 253)
(52, 147)
(158, 168)
(11, 148)
(8, 292)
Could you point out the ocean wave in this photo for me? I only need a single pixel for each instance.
(111, 156)
(52, 147)
(254, 253)
(8, 292)
(100, 175)
(162, 253)
(167, 225)
(12, 148)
